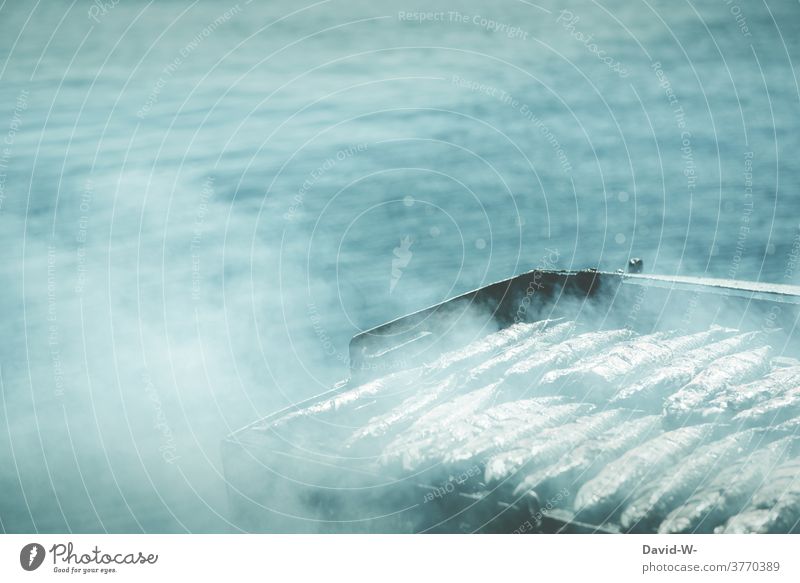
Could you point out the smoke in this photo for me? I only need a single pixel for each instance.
(146, 329)
(323, 467)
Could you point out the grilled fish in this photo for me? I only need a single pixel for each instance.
(775, 507)
(600, 498)
(632, 346)
(525, 338)
(502, 424)
(688, 403)
(544, 448)
(476, 352)
(514, 420)
(743, 397)
(780, 409)
(662, 495)
(445, 364)
(600, 378)
(450, 363)
(649, 392)
(727, 493)
(525, 373)
(586, 460)
(447, 413)
(397, 381)
(509, 433)
(406, 411)
(497, 365)
(734, 399)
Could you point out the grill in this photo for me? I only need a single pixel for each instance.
(308, 469)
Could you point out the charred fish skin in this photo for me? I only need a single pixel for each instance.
(781, 409)
(775, 507)
(395, 382)
(498, 364)
(549, 445)
(727, 494)
(588, 459)
(498, 436)
(452, 424)
(756, 521)
(650, 392)
(600, 499)
(662, 495)
(565, 376)
(678, 345)
(447, 363)
(406, 447)
(404, 413)
(521, 379)
(790, 427)
(689, 404)
(467, 439)
(776, 383)
(783, 519)
(600, 381)
(488, 407)
(782, 495)
(528, 337)
(477, 351)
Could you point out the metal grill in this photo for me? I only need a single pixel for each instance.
(339, 462)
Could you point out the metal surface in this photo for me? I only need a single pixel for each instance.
(544, 293)
(287, 476)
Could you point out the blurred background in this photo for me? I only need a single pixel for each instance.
(201, 202)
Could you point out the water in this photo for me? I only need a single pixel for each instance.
(202, 202)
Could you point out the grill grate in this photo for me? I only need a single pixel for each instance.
(585, 417)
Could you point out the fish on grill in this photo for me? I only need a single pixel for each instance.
(565, 375)
(396, 381)
(542, 449)
(650, 392)
(406, 411)
(431, 394)
(662, 495)
(727, 493)
(466, 408)
(689, 403)
(791, 427)
(586, 460)
(498, 364)
(420, 445)
(408, 447)
(747, 396)
(447, 413)
(783, 408)
(501, 423)
(775, 507)
(600, 377)
(404, 380)
(601, 498)
(478, 351)
(525, 374)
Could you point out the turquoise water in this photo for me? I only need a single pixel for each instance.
(202, 202)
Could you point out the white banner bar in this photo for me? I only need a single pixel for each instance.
(356, 558)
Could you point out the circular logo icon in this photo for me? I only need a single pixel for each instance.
(31, 556)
